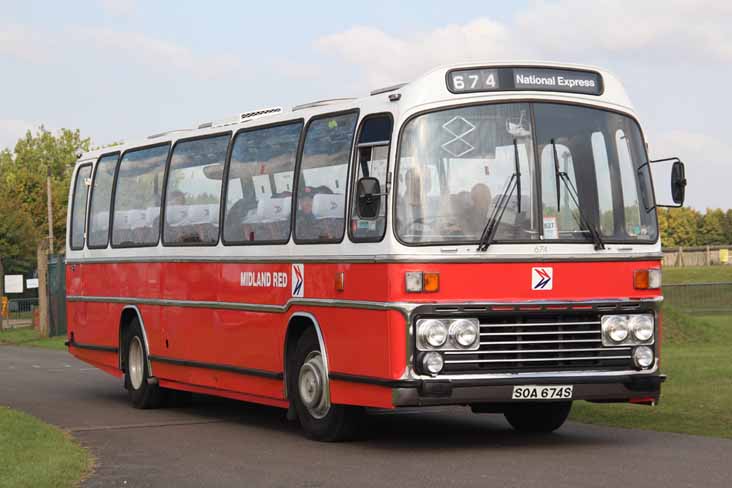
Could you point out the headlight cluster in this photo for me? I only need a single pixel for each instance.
(627, 330)
(448, 334)
(631, 330)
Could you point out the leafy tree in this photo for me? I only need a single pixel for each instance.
(712, 228)
(17, 239)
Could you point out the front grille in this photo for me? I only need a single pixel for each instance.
(539, 343)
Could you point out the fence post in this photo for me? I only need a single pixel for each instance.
(709, 256)
(43, 302)
(2, 293)
(680, 258)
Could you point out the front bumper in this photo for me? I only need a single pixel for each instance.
(637, 388)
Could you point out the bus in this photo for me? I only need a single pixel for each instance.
(485, 236)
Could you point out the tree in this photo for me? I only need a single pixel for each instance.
(23, 177)
(712, 228)
(17, 239)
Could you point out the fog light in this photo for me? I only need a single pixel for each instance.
(615, 328)
(643, 357)
(431, 333)
(642, 327)
(433, 362)
(465, 333)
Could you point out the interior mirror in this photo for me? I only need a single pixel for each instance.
(669, 181)
(368, 198)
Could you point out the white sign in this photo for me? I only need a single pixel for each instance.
(31, 283)
(542, 279)
(13, 283)
(550, 228)
(298, 280)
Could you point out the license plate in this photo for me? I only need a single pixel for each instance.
(532, 392)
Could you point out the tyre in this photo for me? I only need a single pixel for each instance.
(309, 391)
(142, 393)
(538, 417)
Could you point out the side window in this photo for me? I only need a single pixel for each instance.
(137, 195)
(100, 200)
(193, 192)
(78, 206)
(631, 204)
(259, 185)
(604, 184)
(372, 156)
(321, 190)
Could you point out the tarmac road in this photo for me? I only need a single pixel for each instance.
(224, 443)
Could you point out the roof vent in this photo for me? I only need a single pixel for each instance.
(387, 89)
(242, 117)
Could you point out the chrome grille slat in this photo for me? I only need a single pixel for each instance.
(541, 324)
(521, 360)
(536, 351)
(543, 332)
(529, 341)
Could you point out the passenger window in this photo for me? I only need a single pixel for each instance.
(78, 206)
(259, 185)
(631, 203)
(321, 190)
(137, 195)
(193, 192)
(372, 161)
(100, 200)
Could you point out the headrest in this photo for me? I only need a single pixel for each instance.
(328, 206)
(274, 209)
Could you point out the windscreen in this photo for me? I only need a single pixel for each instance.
(575, 167)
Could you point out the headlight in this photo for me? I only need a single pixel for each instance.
(433, 362)
(642, 327)
(432, 333)
(643, 357)
(615, 328)
(465, 333)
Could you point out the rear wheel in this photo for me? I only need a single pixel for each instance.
(142, 392)
(309, 391)
(538, 417)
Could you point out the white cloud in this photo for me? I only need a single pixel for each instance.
(119, 8)
(23, 43)
(690, 31)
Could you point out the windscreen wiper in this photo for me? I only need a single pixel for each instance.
(514, 182)
(564, 177)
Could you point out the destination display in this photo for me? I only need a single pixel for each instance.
(525, 78)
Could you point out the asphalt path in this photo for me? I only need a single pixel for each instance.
(216, 442)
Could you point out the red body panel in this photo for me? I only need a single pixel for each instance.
(359, 342)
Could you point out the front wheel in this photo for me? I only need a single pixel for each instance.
(538, 417)
(309, 391)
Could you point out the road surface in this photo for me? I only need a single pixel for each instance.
(217, 442)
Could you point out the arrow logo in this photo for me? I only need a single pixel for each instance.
(298, 280)
(541, 278)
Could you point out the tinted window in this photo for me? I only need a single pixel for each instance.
(193, 193)
(259, 188)
(78, 211)
(101, 199)
(137, 197)
(321, 192)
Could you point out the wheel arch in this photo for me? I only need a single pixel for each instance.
(297, 324)
(130, 312)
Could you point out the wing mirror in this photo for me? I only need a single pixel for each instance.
(671, 172)
(368, 197)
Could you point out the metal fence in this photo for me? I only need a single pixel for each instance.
(20, 312)
(699, 297)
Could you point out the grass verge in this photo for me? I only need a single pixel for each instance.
(35, 454)
(697, 396)
(28, 336)
(697, 274)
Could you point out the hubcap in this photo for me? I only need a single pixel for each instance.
(135, 364)
(313, 385)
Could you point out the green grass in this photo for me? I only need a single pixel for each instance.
(28, 336)
(35, 454)
(697, 357)
(697, 274)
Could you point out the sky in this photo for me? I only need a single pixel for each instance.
(124, 69)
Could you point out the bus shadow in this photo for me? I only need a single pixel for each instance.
(414, 429)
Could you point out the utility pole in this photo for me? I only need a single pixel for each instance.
(50, 210)
(2, 294)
